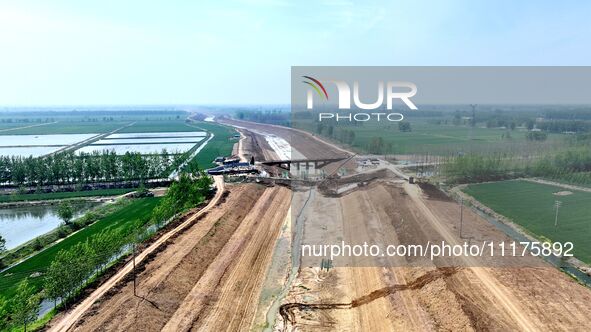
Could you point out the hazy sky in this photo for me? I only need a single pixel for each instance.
(240, 52)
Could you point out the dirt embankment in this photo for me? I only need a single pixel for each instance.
(305, 143)
(369, 295)
(194, 257)
(287, 310)
(386, 295)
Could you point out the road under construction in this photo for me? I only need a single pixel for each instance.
(235, 265)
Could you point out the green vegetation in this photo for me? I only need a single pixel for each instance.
(182, 195)
(572, 165)
(531, 205)
(422, 135)
(65, 212)
(63, 195)
(90, 121)
(24, 304)
(64, 127)
(536, 136)
(149, 126)
(122, 219)
(61, 271)
(27, 249)
(70, 168)
(220, 145)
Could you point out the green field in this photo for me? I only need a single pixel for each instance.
(428, 137)
(92, 122)
(62, 195)
(123, 218)
(147, 126)
(531, 205)
(219, 145)
(69, 127)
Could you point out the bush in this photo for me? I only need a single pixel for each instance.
(536, 136)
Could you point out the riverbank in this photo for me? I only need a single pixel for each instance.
(14, 199)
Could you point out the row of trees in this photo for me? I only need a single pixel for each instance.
(573, 165)
(560, 126)
(72, 268)
(273, 116)
(21, 309)
(68, 167)
(183, 194)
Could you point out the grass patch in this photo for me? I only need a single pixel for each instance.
(96, 123)
(69, 127)
(63, 195)
(122, 218)
(531, 205)
(220, 145)
(426, 136)
(157, 126)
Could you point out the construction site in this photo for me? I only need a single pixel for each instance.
(236, 264)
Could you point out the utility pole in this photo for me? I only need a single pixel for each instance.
(134, 273)
(473, 120)
(557, 204)
(461, 215)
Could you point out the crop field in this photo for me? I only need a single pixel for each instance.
(220, 145)
(91, 122)
(157, 125)
(122, 218)
(62, 195)
(39, 136)
(69, 127)
(428, 137)
(531, 205)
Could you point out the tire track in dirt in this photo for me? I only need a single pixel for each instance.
(175, 270)
(235, 271)
(239, 292)
(505, 299)
(286, 310)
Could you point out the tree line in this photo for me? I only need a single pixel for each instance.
(73, 268)
(70, 168)
(572, 165)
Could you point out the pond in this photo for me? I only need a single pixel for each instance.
(21, 224)
(43, 140)
(121, 149)
(158, 135)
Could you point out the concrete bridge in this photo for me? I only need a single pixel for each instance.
(299, 163)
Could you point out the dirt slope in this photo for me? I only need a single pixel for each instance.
(229, 243)
(66, 321)
(358, 295)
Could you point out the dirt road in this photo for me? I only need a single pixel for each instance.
(362, 295)
(206, 277)
(211, 274)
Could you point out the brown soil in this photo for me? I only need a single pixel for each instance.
(305, 143)
(209, 278)
(360, 295)
(433, 192)
(171, 275)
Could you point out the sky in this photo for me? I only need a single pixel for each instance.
(146, 52)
